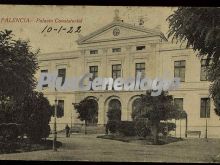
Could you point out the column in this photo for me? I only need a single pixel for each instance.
(101, 111)
(124, 116)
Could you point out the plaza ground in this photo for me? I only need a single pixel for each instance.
(81, 147)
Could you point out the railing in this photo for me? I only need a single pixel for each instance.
(80, 128)
(212, 131)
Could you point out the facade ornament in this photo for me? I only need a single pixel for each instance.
(116, 18)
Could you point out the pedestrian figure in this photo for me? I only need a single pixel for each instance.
(67, 128)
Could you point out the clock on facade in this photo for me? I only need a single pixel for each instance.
(116, 31)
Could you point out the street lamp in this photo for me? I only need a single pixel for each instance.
(180, 128)
(55, 122)
(186, 125)
(72, 114)
(71, 117)
(55, 127)
(206, 125)
(206, 121)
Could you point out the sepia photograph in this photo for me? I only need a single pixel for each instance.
(110, 83)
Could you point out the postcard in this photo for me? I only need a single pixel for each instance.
(109, 83)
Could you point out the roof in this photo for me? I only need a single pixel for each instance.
(149, 32)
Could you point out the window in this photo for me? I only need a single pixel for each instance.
(178, 102)
(140, 67)
(93, 51)
(62, 73)
(179, 69)
(136, 108)
(205, 108)
(203, 72)
(114, 50)
(114, 106)
(140, 48)
(116, 71)
(60, 108)
(94, 71)
(93, 112)
(45, 78)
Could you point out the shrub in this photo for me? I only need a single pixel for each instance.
(8, 147)
(112, 126)
(34, 115)
(139, 127)
(127, 128)
(142, 128)
(165, 128)
(9, 131)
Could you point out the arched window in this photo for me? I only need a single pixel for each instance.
(93, 109)
(136, 108)
(114, 110)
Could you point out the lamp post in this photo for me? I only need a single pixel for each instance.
(55, 127)
(206, 119)
(175, 128)
(55, 122)
(206, 129)
(180, 128)
(71, 121)
(72, 115)
(206, 125)
(186, 126)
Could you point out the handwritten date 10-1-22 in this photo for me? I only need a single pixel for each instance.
(71, 29)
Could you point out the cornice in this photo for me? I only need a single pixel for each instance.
(150, 32)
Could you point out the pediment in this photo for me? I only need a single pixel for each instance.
(118, 31)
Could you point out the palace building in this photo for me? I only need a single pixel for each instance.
(120, 49)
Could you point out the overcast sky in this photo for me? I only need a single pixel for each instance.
(93, 18)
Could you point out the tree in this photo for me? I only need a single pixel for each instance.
(200, 29)
(18, 65)
(87, 110)
(19, 103)
(34, 114)
(156, 109)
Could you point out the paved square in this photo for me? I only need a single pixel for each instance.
(89, 148)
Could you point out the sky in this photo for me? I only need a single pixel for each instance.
(92, 18)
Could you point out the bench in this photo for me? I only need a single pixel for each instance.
(194, 133)
(75, 129)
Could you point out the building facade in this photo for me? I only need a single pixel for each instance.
(121, 50)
